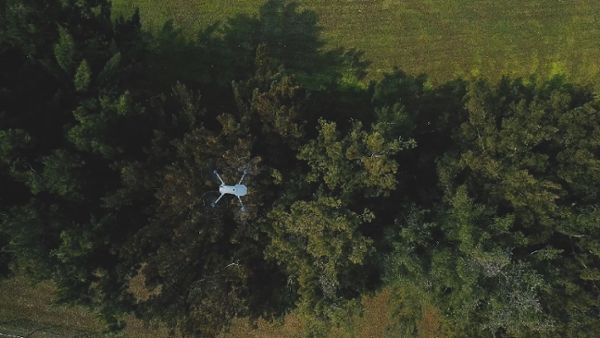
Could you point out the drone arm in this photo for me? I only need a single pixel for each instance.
(243, 175)
(219, 177)
(217, 201)
(241, 203)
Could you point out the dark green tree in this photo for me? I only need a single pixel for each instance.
(62, 135)
(495, 253)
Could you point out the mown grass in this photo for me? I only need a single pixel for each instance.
(443, 38)
(29, 310)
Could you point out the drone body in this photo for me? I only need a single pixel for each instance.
(237, 190)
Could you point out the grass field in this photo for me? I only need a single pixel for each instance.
(443, 38)
(27, 310)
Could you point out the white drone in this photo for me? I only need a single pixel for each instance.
(238, 190)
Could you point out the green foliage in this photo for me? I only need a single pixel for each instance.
(98, 122)
(507, 201)
(64, 50)
(317, 241)
(60, 176)
(270, 103)
(479, 283)
(181, 243)
(515, 306)
(83, 76)
(360, 160)
(14, 142)
(110, 69)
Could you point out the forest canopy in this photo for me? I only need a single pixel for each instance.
(461, 209)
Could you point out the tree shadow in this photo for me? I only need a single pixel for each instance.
(225, 52)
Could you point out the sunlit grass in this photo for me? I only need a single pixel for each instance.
(26, 308)
(29, 310)
(444, 39)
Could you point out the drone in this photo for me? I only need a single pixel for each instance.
(238, 190)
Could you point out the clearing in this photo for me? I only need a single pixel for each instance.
(444, 39)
